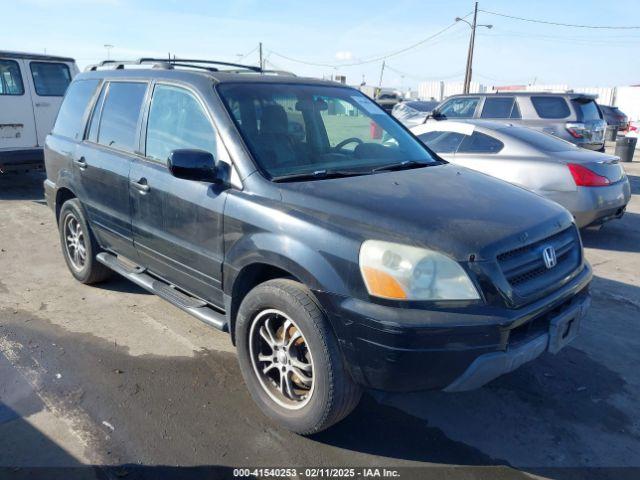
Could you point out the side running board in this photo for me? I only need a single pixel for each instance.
(194, 306)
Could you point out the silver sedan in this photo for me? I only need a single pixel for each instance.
(591, 185)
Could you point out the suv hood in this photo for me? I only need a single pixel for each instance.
(447, 208)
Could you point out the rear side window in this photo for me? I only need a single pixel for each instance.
(500, 107)
(480, 143)
(120, 114)
(550, 107)
(177, 120)
(10, 78)
(442, 142)
(50, 79)
(70, 120)
(587, 110)
(459, 107)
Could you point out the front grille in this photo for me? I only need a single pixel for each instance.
(524, 267)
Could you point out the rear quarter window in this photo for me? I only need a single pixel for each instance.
(480, 143)
(551, 107)
(71, 116)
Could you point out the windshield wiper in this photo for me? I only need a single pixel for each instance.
(318, 175)
(407, 164)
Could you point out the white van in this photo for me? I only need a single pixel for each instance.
(31, 91)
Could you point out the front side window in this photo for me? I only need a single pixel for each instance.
(10, 78)
(442, 142)
(480, 143)
(70, 120)
(459, 107)
(301, 129)
(550, 107)
(120, 114)
(177, 120)
(499, 107)
(50, 79)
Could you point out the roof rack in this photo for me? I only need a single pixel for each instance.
(170, 63)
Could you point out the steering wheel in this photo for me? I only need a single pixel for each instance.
(342, 144)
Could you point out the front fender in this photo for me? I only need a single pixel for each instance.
(282, 251)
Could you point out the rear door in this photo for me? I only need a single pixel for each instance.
(17, 126)
(103, 161)
(48, 81)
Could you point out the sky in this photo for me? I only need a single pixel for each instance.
(338, 33)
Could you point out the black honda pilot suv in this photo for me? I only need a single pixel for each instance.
(338, 251)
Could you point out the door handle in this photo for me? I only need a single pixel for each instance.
(141, 185)
(81, 163)
(43, 104)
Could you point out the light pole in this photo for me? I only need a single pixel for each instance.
(108, 47)
(472, 40)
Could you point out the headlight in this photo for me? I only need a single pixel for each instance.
(400, 272)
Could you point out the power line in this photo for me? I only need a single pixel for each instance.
(558, 24)
(370, 60)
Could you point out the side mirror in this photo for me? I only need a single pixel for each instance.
(192, 164)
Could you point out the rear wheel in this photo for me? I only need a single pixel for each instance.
(290, 359)
(79, 246)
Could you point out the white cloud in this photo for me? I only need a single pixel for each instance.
(344, 55)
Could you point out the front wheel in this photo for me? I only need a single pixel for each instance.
(290, 359)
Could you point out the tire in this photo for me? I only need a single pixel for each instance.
(85, 269)
(332, 393)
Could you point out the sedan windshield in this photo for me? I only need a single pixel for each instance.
(316, 131)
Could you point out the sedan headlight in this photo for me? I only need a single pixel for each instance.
(401, 272)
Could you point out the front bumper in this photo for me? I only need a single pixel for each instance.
(451, 348)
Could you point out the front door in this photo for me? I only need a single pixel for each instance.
(17, 125)
(177, 224)
(103, 160)
(48, 82)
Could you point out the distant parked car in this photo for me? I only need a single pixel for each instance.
(574, 117)
(413, 112)
(615, 117)
(591, 185)
(31, 91)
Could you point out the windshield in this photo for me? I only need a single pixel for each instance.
(542, 141)
(304, 129)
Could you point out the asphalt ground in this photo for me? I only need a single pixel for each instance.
(111, 376)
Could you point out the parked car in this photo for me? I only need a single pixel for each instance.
(388, 100)
(574, 117)
(335, 262)
(31, 90)
(413, 112)
(615, 117)
(591, 185)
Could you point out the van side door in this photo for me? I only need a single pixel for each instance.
(103, 160)
(177, 223)
(48, 81)
(17, 126)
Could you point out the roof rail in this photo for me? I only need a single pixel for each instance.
(169, 63)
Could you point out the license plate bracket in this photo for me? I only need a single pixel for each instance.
(564, 328)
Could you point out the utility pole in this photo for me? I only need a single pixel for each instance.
(467, 74)
(472, 41)
(261, 60)
(381, 73)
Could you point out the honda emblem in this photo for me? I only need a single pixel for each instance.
(549, 257)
